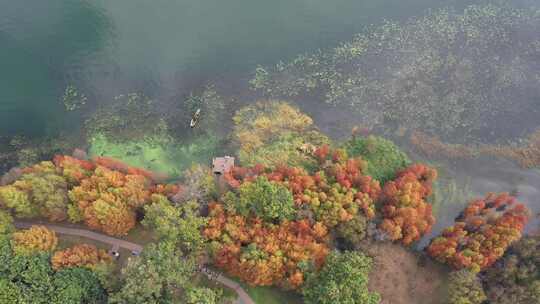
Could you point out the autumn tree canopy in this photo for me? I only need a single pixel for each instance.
(275, 133)
(107, 200)
(406, 214)
(80, 255)
(34, 240)
(262, 254)
(481, 233)
(515, 278)
(464, 287)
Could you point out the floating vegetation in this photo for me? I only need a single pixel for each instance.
(130, 128)
(127, 117)
(157, 153)
(73, 99)
(527, 156)
(209, 104)
(445, 73)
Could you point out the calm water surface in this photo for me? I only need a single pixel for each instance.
(110, 47)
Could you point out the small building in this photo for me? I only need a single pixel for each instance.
(222, 165)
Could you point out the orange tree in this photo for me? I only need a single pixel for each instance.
(264, 254)
(482, 232)
(406, 214)
(80, 255)
(107, 200)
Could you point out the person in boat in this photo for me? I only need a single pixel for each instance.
(195, 118)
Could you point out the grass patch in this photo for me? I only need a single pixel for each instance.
(271, 295)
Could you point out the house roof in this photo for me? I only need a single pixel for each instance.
(222, 164)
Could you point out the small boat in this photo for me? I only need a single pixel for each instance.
(195, 118)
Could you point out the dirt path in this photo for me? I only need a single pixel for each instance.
(243, 297)
(401, 278)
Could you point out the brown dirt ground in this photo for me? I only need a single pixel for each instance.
(402, 277)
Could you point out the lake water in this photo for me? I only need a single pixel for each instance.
(110, 47)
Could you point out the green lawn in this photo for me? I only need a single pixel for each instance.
(272, 295)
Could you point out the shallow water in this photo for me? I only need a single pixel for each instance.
(112, 47)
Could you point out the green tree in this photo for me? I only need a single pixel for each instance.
(198, 184)
(383, 157)
(179, 224)
(9, 292)
(156, 276)
(268, 200)
(40, 192)
(17, 200)
(6, 224)
(77, 285)
(353, 231)
(33, 275)
(342, 280)
(464, 287)
(31, 279)
(202, 295)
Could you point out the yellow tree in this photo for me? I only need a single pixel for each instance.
(274, 132)
(37, 238)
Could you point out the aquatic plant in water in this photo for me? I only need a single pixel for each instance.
(73, 99)
(527, 155)
(127, 117)
(446, 73)
(160, 154)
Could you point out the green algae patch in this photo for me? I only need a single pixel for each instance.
(158, 154)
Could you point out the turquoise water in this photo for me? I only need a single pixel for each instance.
(111, 47)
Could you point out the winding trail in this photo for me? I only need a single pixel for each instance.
(243, 297)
